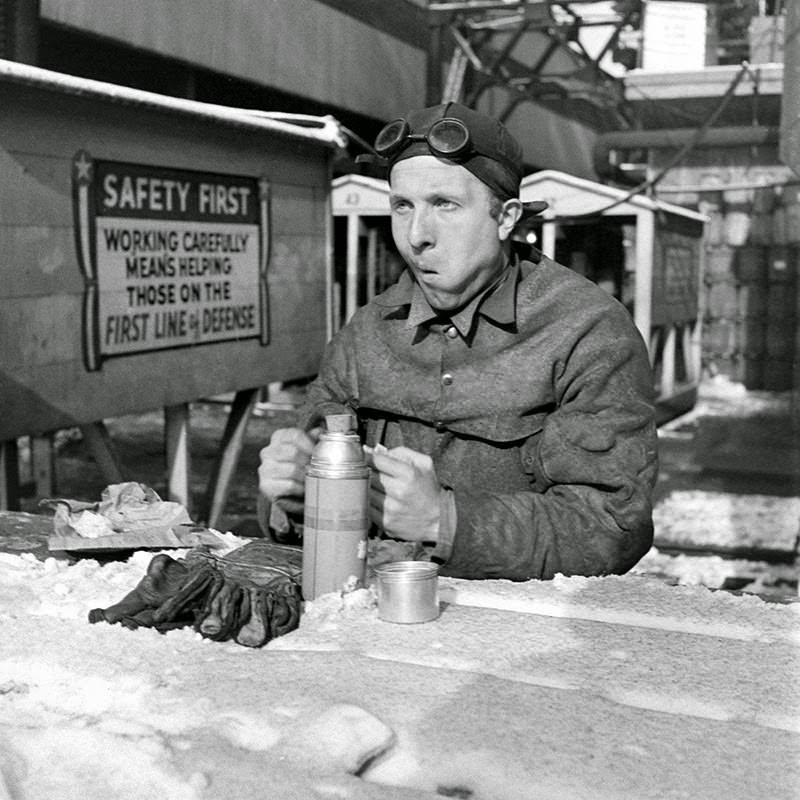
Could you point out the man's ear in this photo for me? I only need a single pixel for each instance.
(508, 218)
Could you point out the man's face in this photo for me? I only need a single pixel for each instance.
(443, 227)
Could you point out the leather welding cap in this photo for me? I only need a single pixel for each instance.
(493, 157)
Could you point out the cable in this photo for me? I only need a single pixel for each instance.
(358, 139)
(681, 154)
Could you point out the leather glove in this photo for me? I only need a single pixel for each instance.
(258, 597)
(164, 578)
(251, 595)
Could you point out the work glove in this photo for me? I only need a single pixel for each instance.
(251, 595)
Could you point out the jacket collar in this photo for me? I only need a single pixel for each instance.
(497, 303)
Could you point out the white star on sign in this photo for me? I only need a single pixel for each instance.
(83, 167)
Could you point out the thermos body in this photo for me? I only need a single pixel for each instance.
(336, 518)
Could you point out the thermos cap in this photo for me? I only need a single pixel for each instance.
(338, 450)
(340, 423)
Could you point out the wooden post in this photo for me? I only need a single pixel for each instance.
(9, 476)
(372, 258)
(336, 305)
(331, 316)
(99, 443)
(44, 465)
(176, 434)
(351, 289)
(228, 456)
(549, 233)
(668, 362)
(690, 360)
(643, 292)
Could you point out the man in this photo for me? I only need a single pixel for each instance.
(505, 404)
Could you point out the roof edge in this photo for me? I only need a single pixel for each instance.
(325, 130)
(611, 192)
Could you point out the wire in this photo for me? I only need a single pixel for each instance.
(652, 103)
(681, 154)
(358, 139)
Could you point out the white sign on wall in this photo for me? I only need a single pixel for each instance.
(674, 36)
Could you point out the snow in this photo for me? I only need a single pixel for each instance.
(755, 517)
(618, 687)
(636, 687)
(729, 520)
(321, 129)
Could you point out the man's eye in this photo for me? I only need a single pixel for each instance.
(444, 202)
(399, 205)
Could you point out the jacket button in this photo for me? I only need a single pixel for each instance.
(452, 332)
(447, 379)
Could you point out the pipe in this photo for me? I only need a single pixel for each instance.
(677, 137)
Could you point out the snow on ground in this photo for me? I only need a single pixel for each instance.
(599, 688)
(618, 687)
(728, 520)
(718, 394)
(709, 520)
(702, 516)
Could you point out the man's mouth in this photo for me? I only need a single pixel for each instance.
(429, 277)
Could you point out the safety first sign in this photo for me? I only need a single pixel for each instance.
(170, 258)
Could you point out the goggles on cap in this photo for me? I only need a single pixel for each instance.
(448, 137)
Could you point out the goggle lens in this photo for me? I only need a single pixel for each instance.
(448, 137)
(391, 137)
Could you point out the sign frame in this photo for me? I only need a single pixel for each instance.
(192, 209)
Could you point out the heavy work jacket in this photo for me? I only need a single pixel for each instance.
(535, 405)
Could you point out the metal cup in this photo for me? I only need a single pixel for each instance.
(408, 591)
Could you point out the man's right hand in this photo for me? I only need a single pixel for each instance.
(282, 471)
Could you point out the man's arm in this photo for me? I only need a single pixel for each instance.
(593, 465)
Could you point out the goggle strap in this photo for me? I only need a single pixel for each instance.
(372, 158)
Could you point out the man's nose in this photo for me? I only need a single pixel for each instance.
(420, 231)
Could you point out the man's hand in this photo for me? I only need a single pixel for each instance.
(281, 472)
(404, 493)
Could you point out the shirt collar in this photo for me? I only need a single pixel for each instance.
(497, 303)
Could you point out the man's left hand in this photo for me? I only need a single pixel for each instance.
(404, 493)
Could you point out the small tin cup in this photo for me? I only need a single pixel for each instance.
(408, 591)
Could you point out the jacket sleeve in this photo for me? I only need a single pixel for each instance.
(335, 388)
(592, 469)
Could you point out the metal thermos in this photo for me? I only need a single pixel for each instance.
(336, 520)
